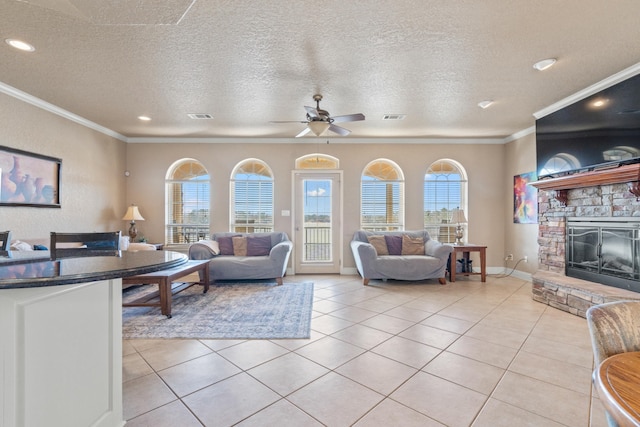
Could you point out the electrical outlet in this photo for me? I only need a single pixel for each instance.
(509, 257)
(526, 258)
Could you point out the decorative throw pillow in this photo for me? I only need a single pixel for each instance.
(380, 244)
(212, 245)
(258, 245)
(394, 244)
(412, 245)
(20, 246)
(225, 243)
(239, 246)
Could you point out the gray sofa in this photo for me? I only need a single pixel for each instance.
(418, 258)
(267, 260)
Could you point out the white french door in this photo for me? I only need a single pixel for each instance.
(318, 215)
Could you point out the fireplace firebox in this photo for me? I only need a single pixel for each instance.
(604, 250)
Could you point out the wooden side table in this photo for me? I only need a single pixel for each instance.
(465, 249)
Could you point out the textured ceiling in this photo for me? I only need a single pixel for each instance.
(248, 63)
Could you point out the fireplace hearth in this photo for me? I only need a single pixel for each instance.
(604, 250)
(571, 278)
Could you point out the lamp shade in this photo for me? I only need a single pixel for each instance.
(133, 214)
(458, 217)
(318, 127)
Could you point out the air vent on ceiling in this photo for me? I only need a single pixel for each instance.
(200, 116)
(394, 116)
(629, 112)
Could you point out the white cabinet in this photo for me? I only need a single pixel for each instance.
(61, 355)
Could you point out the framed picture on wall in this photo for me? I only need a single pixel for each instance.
(29, 179)
(525, 199)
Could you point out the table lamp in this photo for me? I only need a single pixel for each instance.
(458, 218)
(132, 215)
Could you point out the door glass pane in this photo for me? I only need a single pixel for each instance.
(317, 221)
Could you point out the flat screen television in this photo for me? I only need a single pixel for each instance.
(600, 131)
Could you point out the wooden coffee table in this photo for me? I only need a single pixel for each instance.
(166, 288)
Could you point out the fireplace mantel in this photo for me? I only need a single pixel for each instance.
(615, 175)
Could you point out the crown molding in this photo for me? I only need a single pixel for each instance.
(313, 140)
(597, 87)
(519, 134)
(37, 102)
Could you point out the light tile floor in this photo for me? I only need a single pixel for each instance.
(389, 354)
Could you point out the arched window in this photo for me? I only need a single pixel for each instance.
(445, 190)
(382, 197)
(187, 202)
(317, 161)
(251, 204)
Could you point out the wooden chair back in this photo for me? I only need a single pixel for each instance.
(86, 244)
(5, 240)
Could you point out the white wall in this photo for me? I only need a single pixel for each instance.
(92, 187)
(484, 163)
(520, 239)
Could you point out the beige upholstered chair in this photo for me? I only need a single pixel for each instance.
(614, 329)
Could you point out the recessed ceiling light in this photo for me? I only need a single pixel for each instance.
(144, 118)
(544, 64)
(19, 44)
(485, 104)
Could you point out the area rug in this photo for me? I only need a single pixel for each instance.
(230, 310)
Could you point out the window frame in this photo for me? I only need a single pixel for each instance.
(265, 202)
(387, 179)
(180, 232)
(445, 168)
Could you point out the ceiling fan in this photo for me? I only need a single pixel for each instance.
(319, 121)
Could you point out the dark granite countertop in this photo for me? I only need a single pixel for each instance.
(34, 269)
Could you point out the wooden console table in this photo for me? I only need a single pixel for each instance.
(464, 249)
(617, 381)
(164, 279)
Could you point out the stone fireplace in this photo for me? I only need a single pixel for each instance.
(604, 194)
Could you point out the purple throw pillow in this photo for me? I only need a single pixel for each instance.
(258, 245)
(226, 245)
(394, 244)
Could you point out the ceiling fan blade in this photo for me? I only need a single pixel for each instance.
(312, 112)
(288, 121)
(348, 118)
(339, 130)
(305, 131)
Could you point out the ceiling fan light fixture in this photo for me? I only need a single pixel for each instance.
(318, 127)
(544, 64)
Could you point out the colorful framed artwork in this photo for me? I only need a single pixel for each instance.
(29, 179)
(525, 199)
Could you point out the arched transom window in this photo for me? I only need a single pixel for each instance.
(187, 202)
(251, 204)
(382, 196)
(445, 190)
(317, 161)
